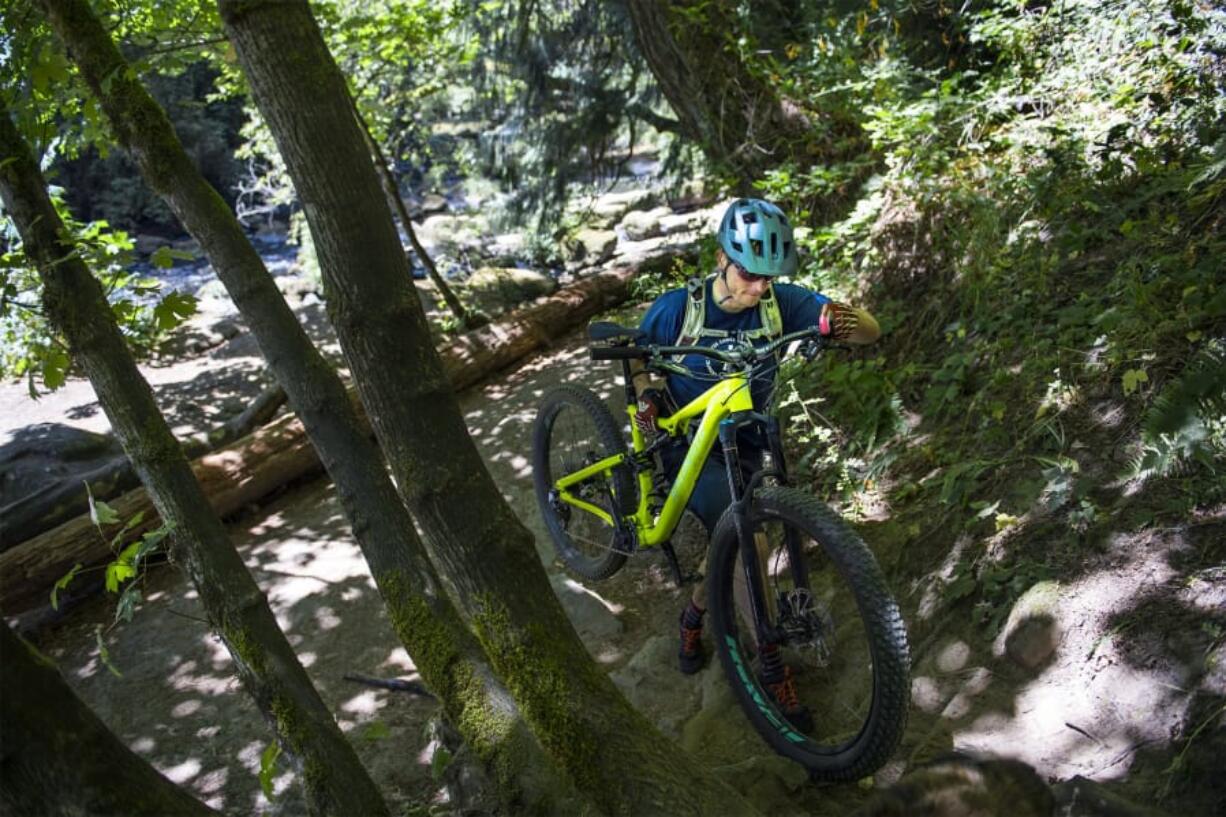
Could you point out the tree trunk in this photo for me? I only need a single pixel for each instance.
(735, 116)
(475, 539)
(75, 306)
(58, 758)
(447, 655)
(465, 319)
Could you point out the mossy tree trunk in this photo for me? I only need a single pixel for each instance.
(76, 307)
(447, 655)
(476, 541)
(736, 117)
(57, 757)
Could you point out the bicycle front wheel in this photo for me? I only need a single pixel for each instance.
(574, 429)
(833, 693)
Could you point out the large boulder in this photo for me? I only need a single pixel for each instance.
(643, 224)
(609, 208)
(652, 684)
(962, 786)
(497, 289)
(1032, 632)
(595, 246)
(587, 611)
(449, 231)
(673, 223)
(506, 248)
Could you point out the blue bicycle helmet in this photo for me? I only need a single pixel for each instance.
(756, 234)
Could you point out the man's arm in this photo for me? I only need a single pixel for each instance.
(643, 379)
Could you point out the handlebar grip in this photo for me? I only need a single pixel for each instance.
(617, 353)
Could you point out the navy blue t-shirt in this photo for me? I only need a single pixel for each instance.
(800, 308)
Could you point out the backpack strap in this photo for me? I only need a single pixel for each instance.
(693, 324)
(695, 312)
(769, 312)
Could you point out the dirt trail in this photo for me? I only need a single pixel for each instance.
(1088, 708)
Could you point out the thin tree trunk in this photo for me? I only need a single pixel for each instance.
(462, 315)
(58, 758)
(446, 654)
(474, 537)
(334, 780)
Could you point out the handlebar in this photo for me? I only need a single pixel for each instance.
(746, 355)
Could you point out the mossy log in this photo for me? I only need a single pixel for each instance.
(279, 453)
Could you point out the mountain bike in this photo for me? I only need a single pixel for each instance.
(783, 569)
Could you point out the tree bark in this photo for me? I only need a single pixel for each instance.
(474, 538)
(736, 117)
(58, 758)
(446, 654)
(334, 780)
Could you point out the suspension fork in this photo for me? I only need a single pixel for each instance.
(742, 498)
(796, 560)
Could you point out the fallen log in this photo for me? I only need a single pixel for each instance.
(59, 502)
(256, 465)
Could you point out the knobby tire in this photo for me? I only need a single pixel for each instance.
(841, 566)
(554, 454)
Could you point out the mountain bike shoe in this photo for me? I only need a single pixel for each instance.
(691, 655)
(784, 693)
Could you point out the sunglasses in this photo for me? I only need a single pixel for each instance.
(748, 277)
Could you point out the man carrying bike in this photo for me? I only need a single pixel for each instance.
(739, 301)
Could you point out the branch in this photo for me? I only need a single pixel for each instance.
(661, 123)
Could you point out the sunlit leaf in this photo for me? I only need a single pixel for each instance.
(62, 584)
(268, 767)
(100, 513)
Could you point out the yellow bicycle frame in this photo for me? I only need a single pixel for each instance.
(712, 406)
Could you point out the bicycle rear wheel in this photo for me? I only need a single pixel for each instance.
(839, 632)
(574, 429)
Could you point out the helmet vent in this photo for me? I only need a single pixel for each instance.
(774, 244)
(749, 217)
(787, 248)
(738, 246)
(755, 244)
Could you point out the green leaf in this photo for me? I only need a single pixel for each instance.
(173, 310)
(104, 655)
(149, 543)
(55, 368)
(376, 730)
(100, 513)
(161, 258)
(439, 762)
(126, 607)
(117, 573)
(268, 765)
(1133, 378)
(62, 584)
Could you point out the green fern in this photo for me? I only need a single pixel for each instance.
(1187, 421)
